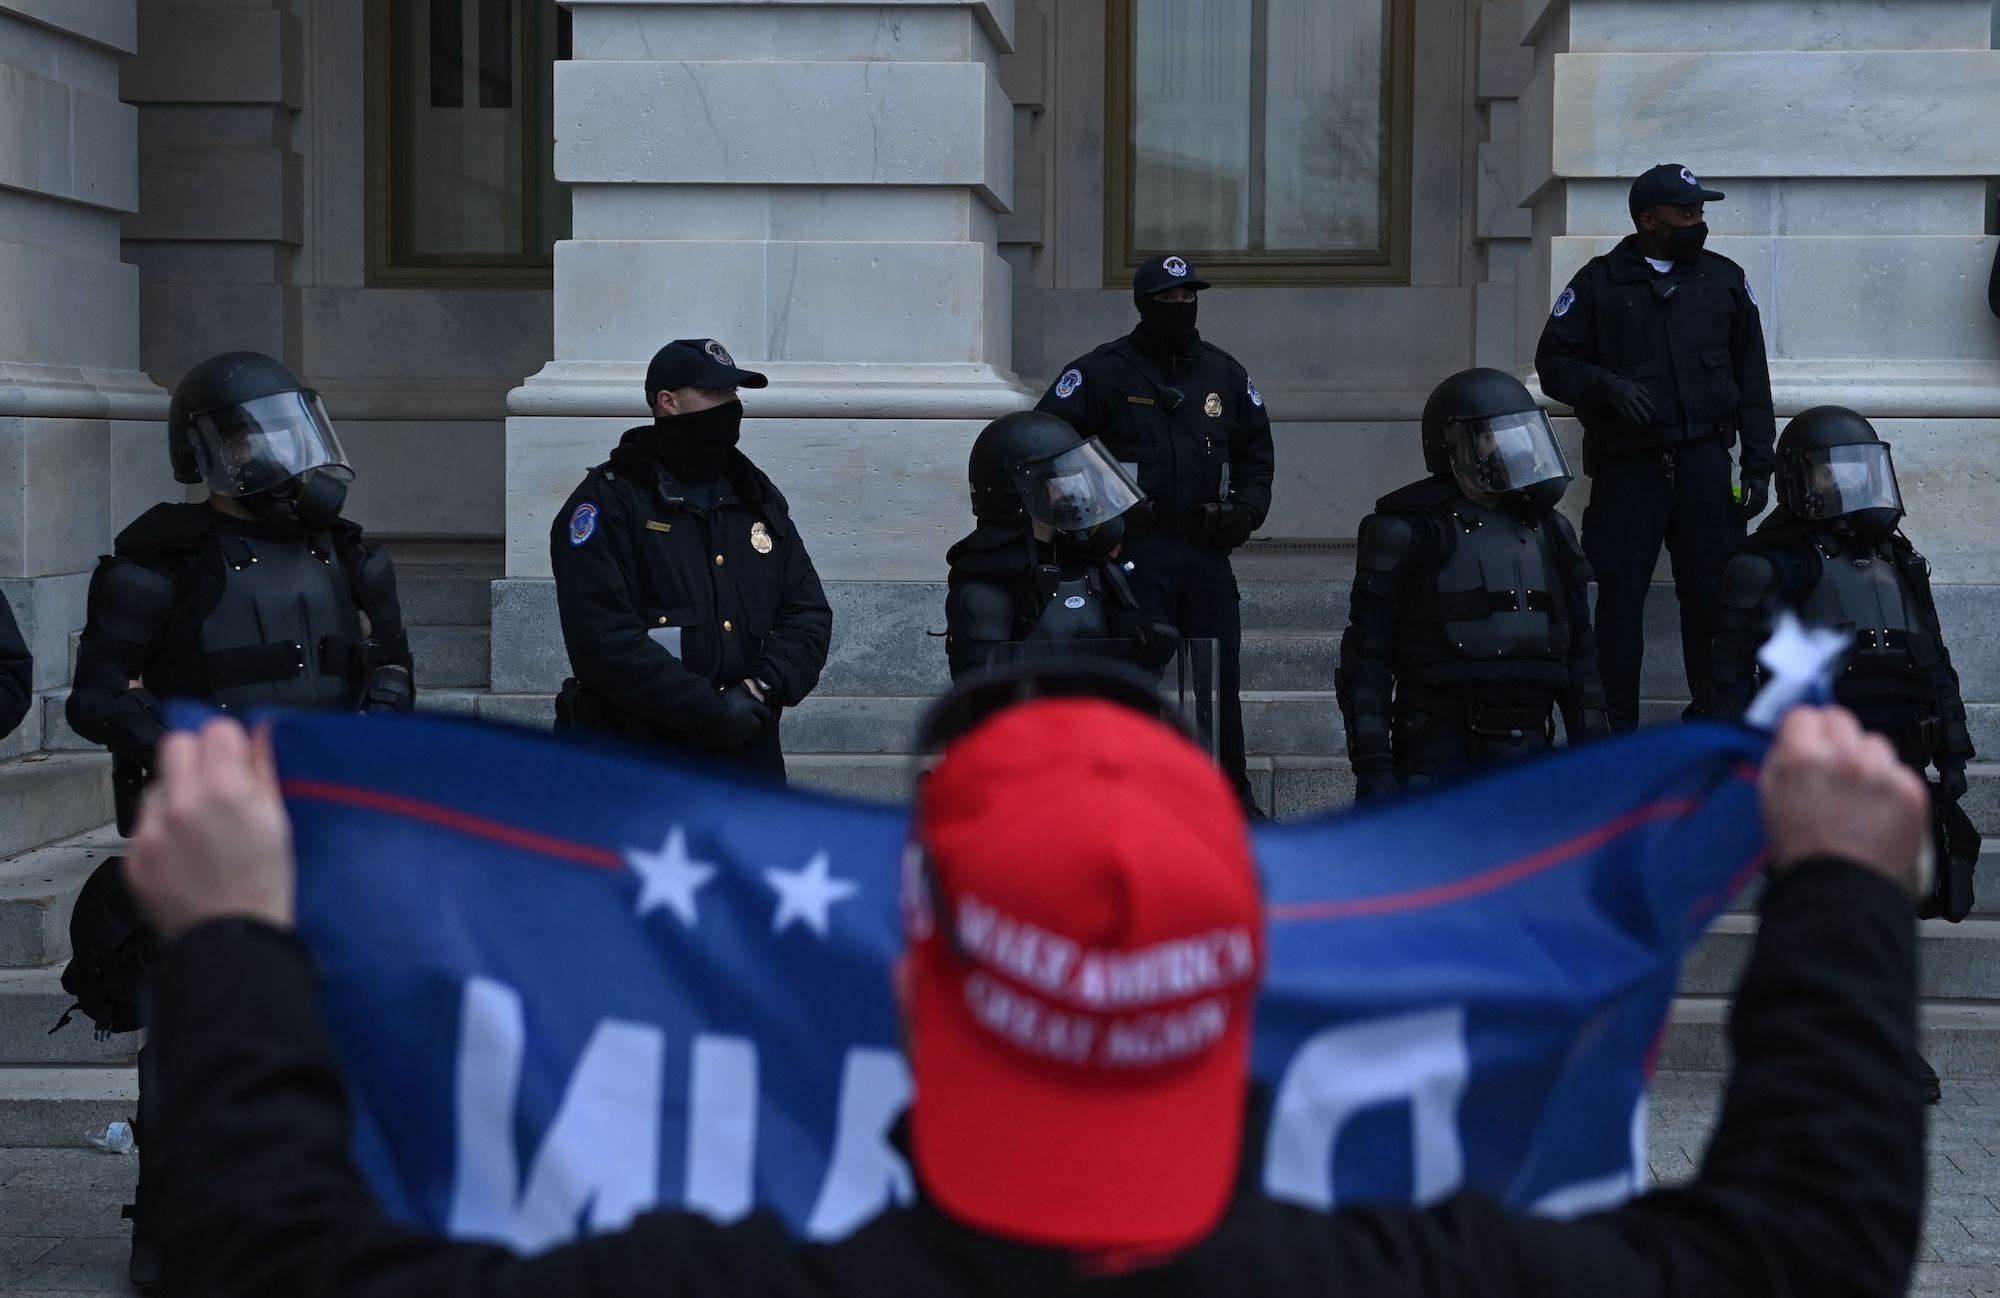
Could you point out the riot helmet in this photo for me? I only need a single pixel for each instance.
(243, 424)
(1031, 465)
(1832, 467)
(1483, 428)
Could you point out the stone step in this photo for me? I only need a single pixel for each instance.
(37, 890)
(1961, 1041)
(63, 1107)
(450, 657)
(1290, 660)
(1985, 887)
(1956, 962)
(445, 598)
(536, 710)
(32, 1002)
(48, 797)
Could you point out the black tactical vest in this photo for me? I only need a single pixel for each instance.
(1890, 676)
(1492, 610)
(1074, 612)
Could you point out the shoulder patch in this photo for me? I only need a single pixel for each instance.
(1565, 302)
(1067, 385)
(1256, 397)
(583, 523)
(1748, 291)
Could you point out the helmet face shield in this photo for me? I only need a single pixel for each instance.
(1827, 482)
(259, 444)
(1503, 455)
(1077, 490)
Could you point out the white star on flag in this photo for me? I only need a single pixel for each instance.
(1800, 659)
(669, 877)
(807, 895)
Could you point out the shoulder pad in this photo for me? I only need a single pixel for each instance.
(1386, 542)
(1425, 493)
(1749, 579)
(165, 525)
(131, 601)
(984, 610)
(1562, 531)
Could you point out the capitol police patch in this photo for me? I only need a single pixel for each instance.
(1688, 178)
(1175, 267)
(1067, 385)
(1565, 302)
(583, 523)
(1750, 292)
(718, 353)
(1256, 397)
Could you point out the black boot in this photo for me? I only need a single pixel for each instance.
(144, 1268)
(1927, 1082)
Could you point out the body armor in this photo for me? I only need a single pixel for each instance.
(1498, 590)
(1890, 676)
(1074, 609)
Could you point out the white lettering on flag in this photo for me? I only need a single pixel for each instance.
(866, 1174)
(1414, 1059)
(599, 1161)
(722, 1127)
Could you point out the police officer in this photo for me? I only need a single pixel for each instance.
(1470, 619)
(1192, 426)
(1659, 347)
(692, 613)
(17, 686)
(1042, 564)
(260, 596)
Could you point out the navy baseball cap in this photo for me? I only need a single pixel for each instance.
(1163, 273)
(1670, 185)
(697, 363)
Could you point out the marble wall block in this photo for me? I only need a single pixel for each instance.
(54, 482)
(1721, 26)
(427, 477)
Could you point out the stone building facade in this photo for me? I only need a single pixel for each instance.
(911, 214)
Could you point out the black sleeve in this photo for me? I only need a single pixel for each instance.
(1365, 681)
(1566, 359)
(1081, 398)
(1813, 1183)
(978, 619)
(1252, 458)
(125, 617)
(1993, 285)
(257, 1195)
(1750, 586)
(1955, 743)
(17, 672)
(1756, 423)
(387, 669)
(1585, 712)
(794, 653)
(605, 631)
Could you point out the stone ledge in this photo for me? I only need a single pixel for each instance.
(576, 389)
(74, 392)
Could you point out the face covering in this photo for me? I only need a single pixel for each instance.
(694, 447)
(1172, 323)
(1687, 242)
(308, 504)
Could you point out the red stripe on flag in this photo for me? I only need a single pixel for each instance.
(458, 821)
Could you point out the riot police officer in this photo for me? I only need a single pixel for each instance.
(1659, 346)
(1470, 618)
(261, 596)
(1041, 565)
(17, 684)
(1833, 552)
(1184, 416)
(692, 613)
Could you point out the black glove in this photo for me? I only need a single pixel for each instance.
(1629, 402)
(133, 728)
(741, 719)
(1951, 781)
(389, 689)
(1373, 782)
(1156, 642)
(1756, 495)
(1222, 525)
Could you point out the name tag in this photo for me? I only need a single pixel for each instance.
(1139, 401)
(652, 526)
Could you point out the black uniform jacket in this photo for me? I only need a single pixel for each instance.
(729, 588)
(1123, 393)
(1698, 351)
(17, 684)
(1812, 1185)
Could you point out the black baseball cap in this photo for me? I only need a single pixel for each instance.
(1163, 273)
(1670, 185)
(697, 363)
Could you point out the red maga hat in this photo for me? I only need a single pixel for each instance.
(1085, 942)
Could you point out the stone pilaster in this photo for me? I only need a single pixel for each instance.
(80, 438)
(819, 186)
(1855, 143)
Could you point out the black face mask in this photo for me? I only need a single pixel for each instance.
(1687, 241)
(694, 447)
(309, 504)
(1172, 323)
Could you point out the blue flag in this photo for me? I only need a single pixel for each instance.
(568, 985)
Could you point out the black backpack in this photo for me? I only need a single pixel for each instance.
(112, 952)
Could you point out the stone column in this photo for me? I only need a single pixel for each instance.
(1855, 141)
(81, 438)
(819, 186)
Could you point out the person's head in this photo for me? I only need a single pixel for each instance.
(1167, 291)
(1033, 466)
(1483, 429)
(691, 375)
(1667, 212)
(1834, 469)
(242, 424)
(1085, 943)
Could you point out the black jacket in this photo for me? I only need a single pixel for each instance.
(730, 582)
(1698, 353)
(1123, 393)
(17, 681)
(1916, 702)
(992, 597)
(1812, 1185)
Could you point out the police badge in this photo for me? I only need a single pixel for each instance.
(1213, 406)
(760, 538)
(718, 353)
